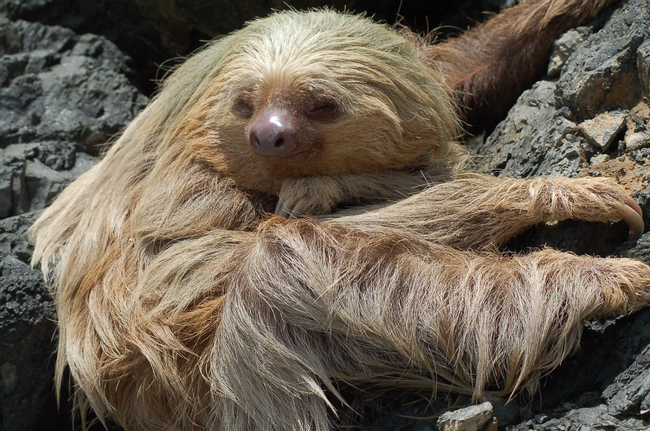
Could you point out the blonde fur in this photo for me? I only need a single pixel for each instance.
(183, 304)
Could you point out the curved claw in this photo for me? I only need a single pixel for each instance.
(632, 215)
(281, 208)
(290, 210)
(297, 208)
(635, 206)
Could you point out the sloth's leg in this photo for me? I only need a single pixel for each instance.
(310, 306)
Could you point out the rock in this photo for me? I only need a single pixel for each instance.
(601, 130)
(472, 418)
(603, 72)
(643, 65)
(6, 192)
(118, 20)
(635, 141)
(26, 331)
(564, 47)
(637, 249)
(631, 388)
(637, 135)
(62, 96)
(537, 138)
(541, 418)
(64, 87)
(628, 400)
(581, 419)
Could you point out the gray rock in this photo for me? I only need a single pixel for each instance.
(579, 419)
(601, 130)
(603, 72)
(630, 388)
(26, 330)
(64, 87)
(564, 47)
(6, 191)
(637, 249)
(472, 418)
(537, 138)
(643, 65)
(628, 399)
(62, 96)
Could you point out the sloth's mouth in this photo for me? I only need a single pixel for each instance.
(302, 155)
(291, 165)
(293, 157)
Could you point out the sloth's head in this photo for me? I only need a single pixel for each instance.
(315, 93)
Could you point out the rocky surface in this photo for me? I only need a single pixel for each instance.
(27, 344)
(152, 32)
(477, 417)
(62, 96)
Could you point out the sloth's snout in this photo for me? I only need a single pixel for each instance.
(274, 133)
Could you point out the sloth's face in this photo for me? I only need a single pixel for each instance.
(294, 131)
(286, 126)
(290, 102)
(293, 125)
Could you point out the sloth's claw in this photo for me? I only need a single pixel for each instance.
(281, 209)
(631, 214)
(290, 210)
(297, 208)
(635, 206)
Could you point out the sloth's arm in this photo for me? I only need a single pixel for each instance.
(298, 304)
(328, 302)
(309, 196)
(481, 211)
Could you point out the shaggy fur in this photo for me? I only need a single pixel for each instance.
(184, 304)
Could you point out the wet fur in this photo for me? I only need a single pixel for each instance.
(183, 304)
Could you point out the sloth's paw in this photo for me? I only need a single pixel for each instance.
(615, 197)
(629, 290)
(308, 196)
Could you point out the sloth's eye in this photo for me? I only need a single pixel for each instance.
(243, 107)
(323, 110)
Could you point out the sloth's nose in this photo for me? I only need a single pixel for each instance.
(274, 132)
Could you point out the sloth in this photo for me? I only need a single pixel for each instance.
(288, 219)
